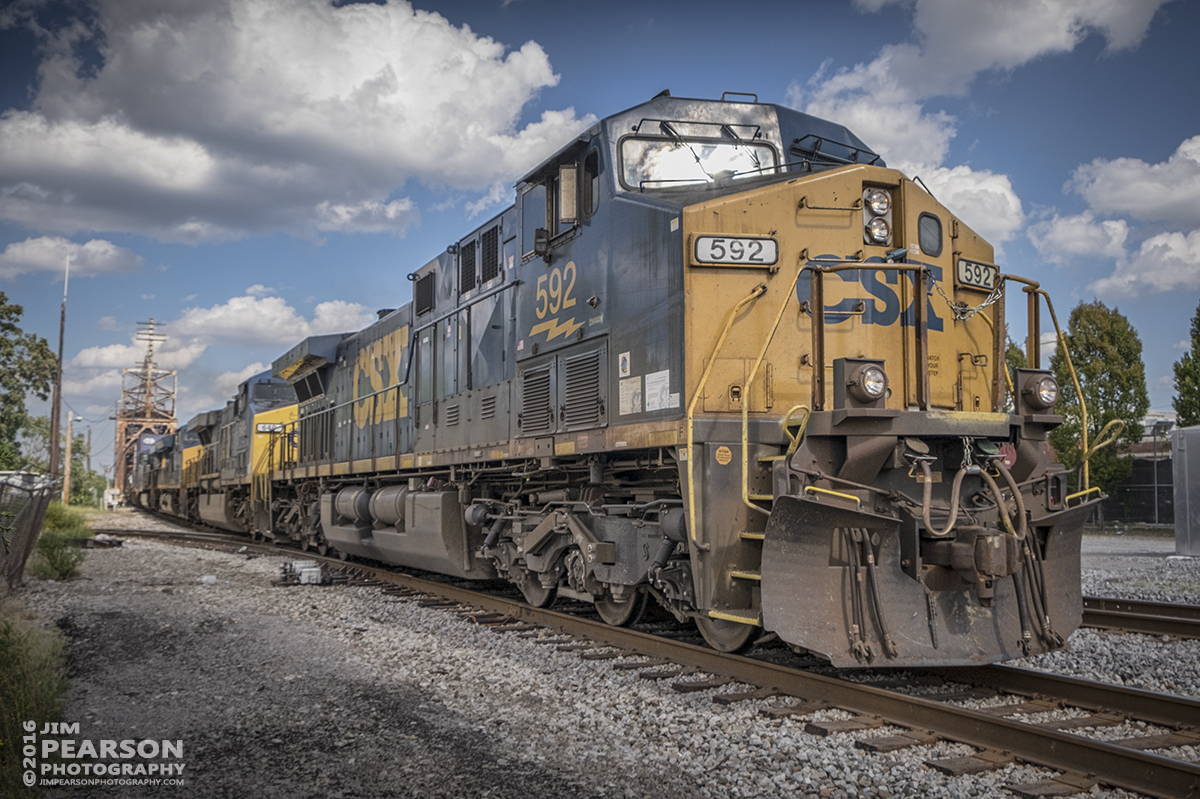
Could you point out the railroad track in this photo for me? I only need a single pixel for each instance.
(1134, 616)
(1017, 714)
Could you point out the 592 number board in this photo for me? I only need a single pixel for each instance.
(736, 250)
(977, 275)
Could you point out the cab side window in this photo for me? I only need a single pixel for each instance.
(533, 217)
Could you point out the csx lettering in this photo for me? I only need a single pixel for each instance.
(558, 296)
(883, 304)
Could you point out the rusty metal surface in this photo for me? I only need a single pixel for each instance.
(1151, 618)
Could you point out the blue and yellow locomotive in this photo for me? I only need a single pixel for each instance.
(717, 356)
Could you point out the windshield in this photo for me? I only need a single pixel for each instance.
(272, 395)
(692, 161)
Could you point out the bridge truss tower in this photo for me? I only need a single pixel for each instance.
(147, 404)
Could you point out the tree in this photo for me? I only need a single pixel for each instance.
(27, 366)
(1187, 380)
(1107, 354)
(1014, 359)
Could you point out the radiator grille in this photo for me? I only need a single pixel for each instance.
(583, 403)
(466, 267)
(537, 411)
(423, 294)
(490, 254)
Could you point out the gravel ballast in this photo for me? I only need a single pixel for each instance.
(346, 692)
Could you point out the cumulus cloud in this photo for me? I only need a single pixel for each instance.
(1061, 239)
(1158, 195)
(1166, 192)
(208, 121)
(50, 254)
(1166, 262)
(956, 40)
(984, 200)
(245, 321)
(885, 100)
(267, 321)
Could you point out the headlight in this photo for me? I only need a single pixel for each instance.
(1042, 391)
(879, 201)
(867, 383)
(879, 231)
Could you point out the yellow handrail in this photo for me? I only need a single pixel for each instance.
(746, 395)
(758, 291)
(815, 489)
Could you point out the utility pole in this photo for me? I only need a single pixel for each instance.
(89, 452)
(56, 405)
(66, 492)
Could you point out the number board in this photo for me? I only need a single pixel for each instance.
(269, 427)
(736, 250)
(977, 275)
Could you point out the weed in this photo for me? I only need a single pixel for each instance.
(31, 689)
(59, 554)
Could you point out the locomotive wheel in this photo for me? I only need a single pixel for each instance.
(536, 595)
(726, 636)
(531, 588)
(621, 614)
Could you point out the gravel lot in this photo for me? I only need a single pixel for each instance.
(344, 692)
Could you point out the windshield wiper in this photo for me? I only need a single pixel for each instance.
(666, 128)
(749, 150)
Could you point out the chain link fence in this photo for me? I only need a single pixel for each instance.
(24, 498)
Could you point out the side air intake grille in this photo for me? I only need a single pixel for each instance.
(491, 254)
(537, 412)
(487, 407)
(423, 294)
(466, 267)
(451, 415)
(583, 404)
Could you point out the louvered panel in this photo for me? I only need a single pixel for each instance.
(583, 403)
(466, 268)
(490, 254)
(537, 410)
(487, 407)
(452, 415)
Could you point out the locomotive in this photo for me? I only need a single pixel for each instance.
(717, 356)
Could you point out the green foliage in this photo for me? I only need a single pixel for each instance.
(87, 488)
(1107, 354)
(34, 441)
(65, 521)
(58, 554)
(1187, 380)
(31, 688)
(1014, 359)
(27, 366)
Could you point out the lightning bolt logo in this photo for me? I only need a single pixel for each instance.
(553, 329)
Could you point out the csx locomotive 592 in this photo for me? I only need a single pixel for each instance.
(717, 356)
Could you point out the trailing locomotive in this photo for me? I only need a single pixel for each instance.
(717, 356)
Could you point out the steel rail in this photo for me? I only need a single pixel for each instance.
(1113, 765)
(1158, 708)
(1150, 618)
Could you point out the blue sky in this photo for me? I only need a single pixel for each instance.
(254, 171)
